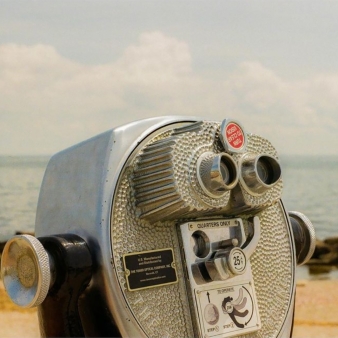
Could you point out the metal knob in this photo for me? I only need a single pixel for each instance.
(26, 270)
(304, 236)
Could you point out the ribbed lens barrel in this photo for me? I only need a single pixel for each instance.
(304, 236)
(217, 173)
(260, 173)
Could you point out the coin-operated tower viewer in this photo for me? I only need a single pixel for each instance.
(165, 227)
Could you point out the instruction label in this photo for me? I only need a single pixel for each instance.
(228, 311)
(235, 136)
(214, 224)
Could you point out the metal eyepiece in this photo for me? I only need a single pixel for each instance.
(216, 173)
(304, 236)
(26, 270)
(260, 173)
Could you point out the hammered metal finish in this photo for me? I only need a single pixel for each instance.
(272, 267)
(130, 234)
(163, 178)
(160, 177)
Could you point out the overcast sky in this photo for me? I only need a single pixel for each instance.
(72, 69)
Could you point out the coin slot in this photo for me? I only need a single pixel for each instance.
(200, 244)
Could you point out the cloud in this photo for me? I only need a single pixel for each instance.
(49, 102)
(46, 95)
(155, 59)
(298, 115)
(42, 78)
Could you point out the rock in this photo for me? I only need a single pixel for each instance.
(330, 258)
(2, 245)
(326, 252)
(322, 248)
(332, 241)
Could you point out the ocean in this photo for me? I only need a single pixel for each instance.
(310, 186)
(20, 181)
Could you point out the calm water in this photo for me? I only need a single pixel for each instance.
(20, 181)
(310, 186)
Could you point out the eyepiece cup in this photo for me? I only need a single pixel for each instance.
(217, 174)
(268, 170)
(260, 173)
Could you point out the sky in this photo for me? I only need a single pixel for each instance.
(70, 70)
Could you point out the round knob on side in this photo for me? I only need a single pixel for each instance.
(25, 270)
(304, 235)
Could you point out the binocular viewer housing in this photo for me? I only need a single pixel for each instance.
(165, 227)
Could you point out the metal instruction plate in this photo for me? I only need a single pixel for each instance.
(214, 224)
(150, 269)
(227, 311)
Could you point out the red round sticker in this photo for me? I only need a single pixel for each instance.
(234, 134)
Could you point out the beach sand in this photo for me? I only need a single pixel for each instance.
(15, 321)
(316, 309)
(316, 313)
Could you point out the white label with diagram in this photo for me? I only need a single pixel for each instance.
(228, 310)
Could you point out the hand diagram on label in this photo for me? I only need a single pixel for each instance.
(233, 307)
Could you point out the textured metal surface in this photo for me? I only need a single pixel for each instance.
(166, 178)
(169, 166)
(272, 267)
(272, 262)
(151, 307)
